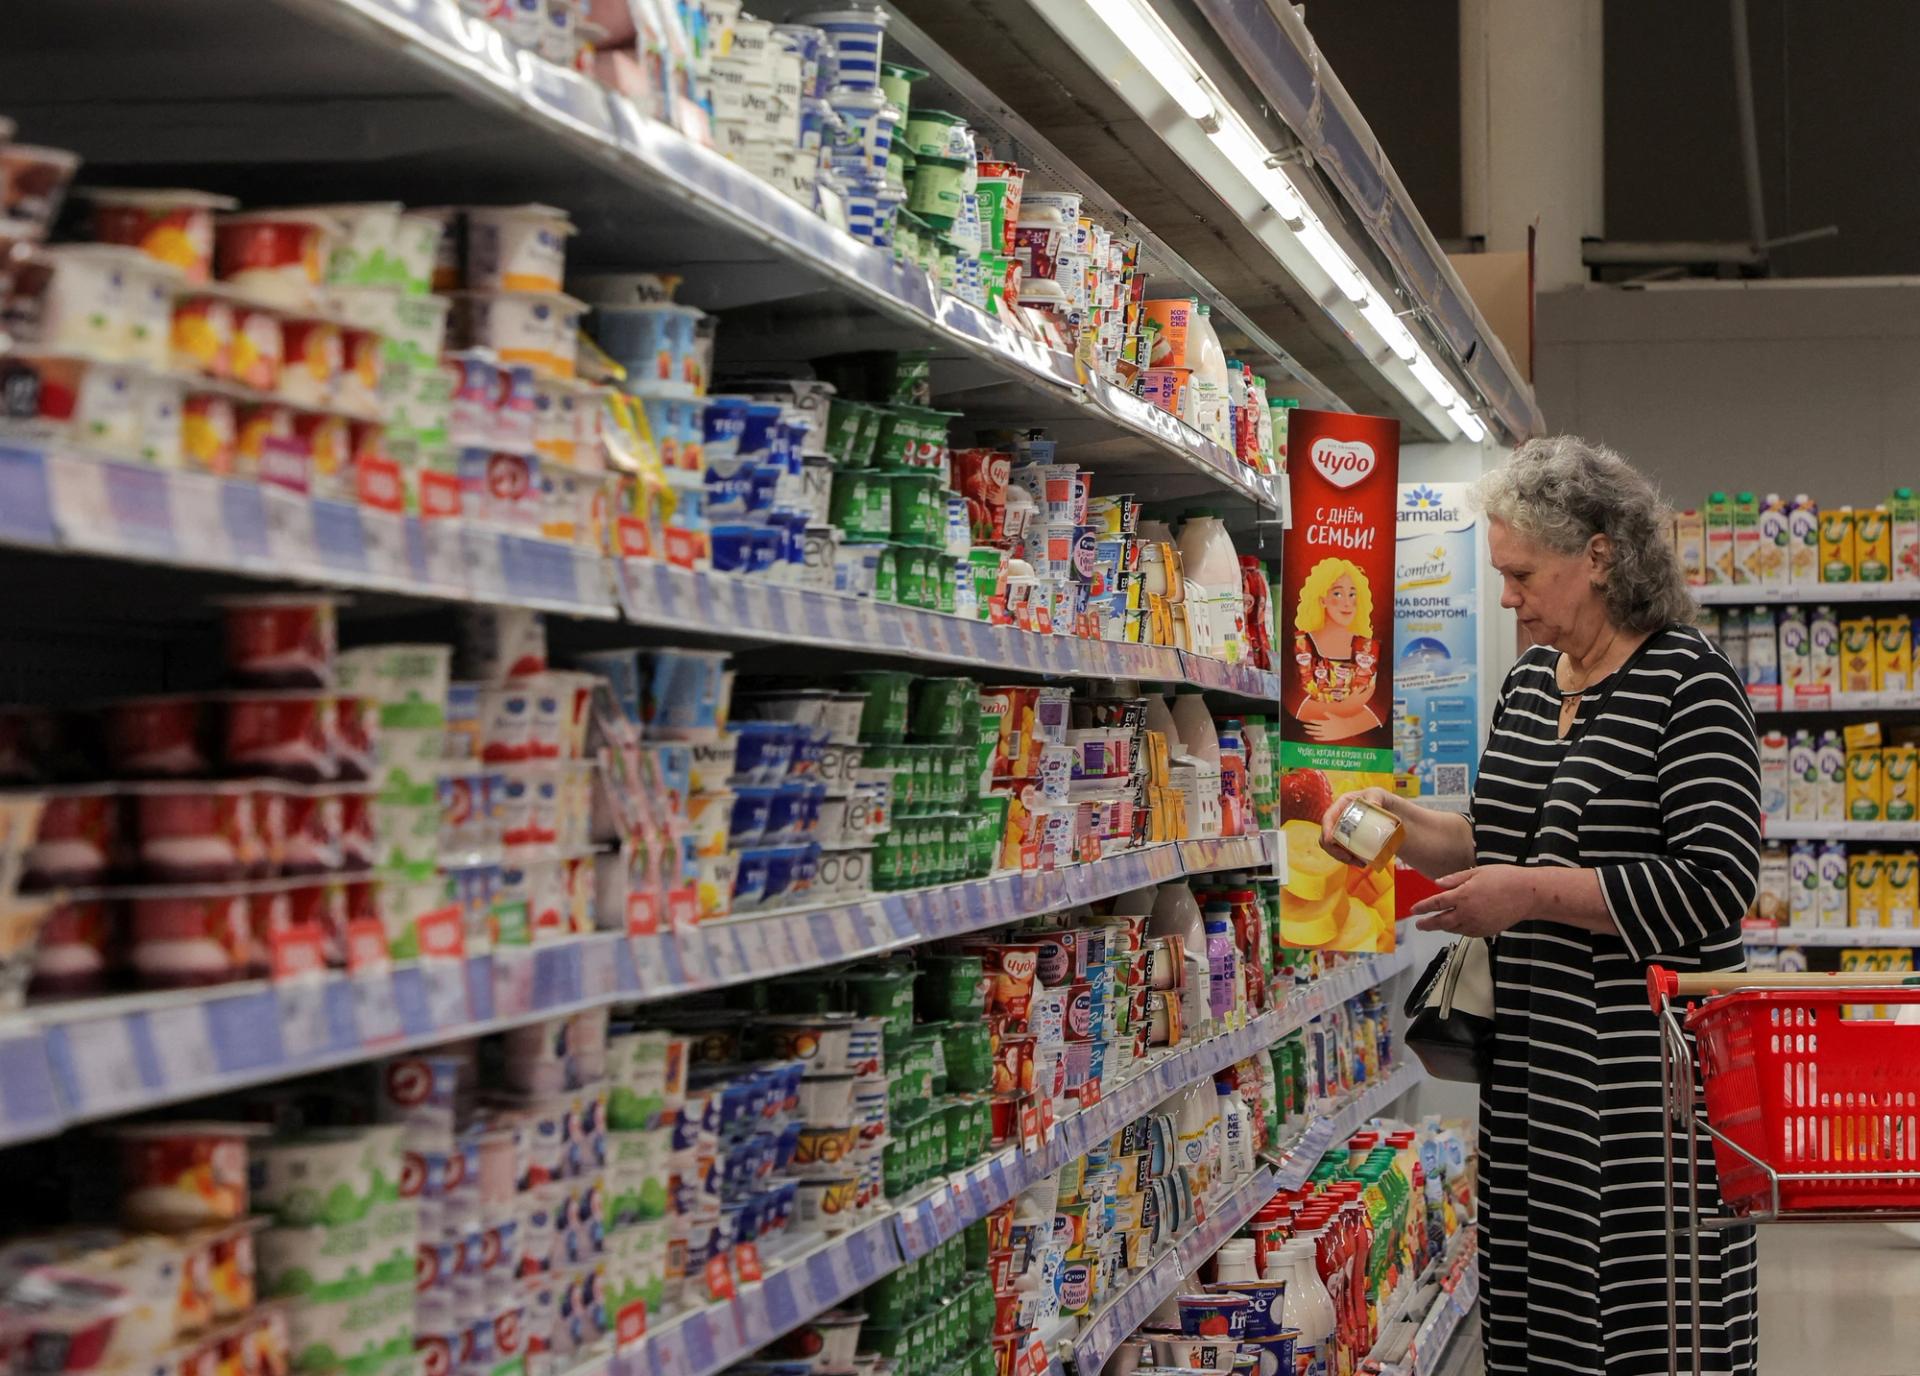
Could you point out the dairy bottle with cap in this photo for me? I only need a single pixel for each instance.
(1209, 383)
(1211, 567)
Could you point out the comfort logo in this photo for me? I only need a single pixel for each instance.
(1343, 462)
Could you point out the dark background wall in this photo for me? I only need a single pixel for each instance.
(1837, 95)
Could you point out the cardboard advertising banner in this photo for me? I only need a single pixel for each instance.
(1336, 666)
(1436, 689)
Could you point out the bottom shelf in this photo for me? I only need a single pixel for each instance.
(1428, 1351)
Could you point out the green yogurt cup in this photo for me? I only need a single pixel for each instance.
(940, 704)
(919, 508)
(953, 987)
(910, 561)
(929, 133)
(896, 84)
(861, 455)
(862, 506)
(886, 576)
(845, 421)
(934, 191)
(948, 570)
(883, 720)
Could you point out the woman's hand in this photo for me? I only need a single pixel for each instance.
(1483, 901)
(1378, 797)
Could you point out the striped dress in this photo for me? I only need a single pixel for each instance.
(1661, 795)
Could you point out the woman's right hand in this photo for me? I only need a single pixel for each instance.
(1378, 797)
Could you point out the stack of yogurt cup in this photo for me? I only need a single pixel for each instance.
(867, 120)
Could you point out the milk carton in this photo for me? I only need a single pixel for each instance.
(1893, 654)
(1733, 640)
(1775, 540)
(1858, 661)
(1904, 510)
(1836, 545)
(1803, 885)
(1900, 880)
(1872, 545)
(1803, 541)
(1690, 545)
(1823, 633)
(1833, 777)
(1866, 785)
(1776, 885)
(1796, 651)
(1746, 539)
(1763, 649)
(1774, 775)
(1863, 889)
(1719, 539)
(1833, 884)
(1803, 778)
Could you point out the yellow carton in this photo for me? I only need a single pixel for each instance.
(1864, 870)
(1864, 735)
(1901, 764)
(1690, 545)
(1836, 544)
(1866, 786)
(1858, 662)
(1872, 545)
(1893, 654)
(1900, 880)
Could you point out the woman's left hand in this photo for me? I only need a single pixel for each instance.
(1483, 901)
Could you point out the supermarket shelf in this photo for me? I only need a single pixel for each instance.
(658, 594)
(1832, 936)
(70, 501)
(554, 135)
(1754, 595)
(1774, 702)
(1127, 1310)
(1404, 1311)
(706, 1340)
(1298, 1161)
(72, 1062)
(1429, 1351)
(1774, 830)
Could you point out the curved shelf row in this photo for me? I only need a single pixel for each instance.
(1860, 832)
(71, 1062)
(1426, 1350)
(1873, 937)
(66, 501)
(1760, 595)
(1771, 701)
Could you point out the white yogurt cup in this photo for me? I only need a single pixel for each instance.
(518, 248)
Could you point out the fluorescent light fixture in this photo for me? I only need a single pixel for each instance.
(1159, 53)
(1464, 418)
(1249, 158)
(1332, 259)
(1379, 313)
(1427, 373)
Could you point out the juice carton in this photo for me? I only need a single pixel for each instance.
(1864, 889)
(1774, 775)
(1803, 778)
(1872, 545)
(1904, 510)
(1763, 648)
(1803, 541)
(1833, 777)
(1900, 880)
(1858, 671)
(1171, 319)
(1733, 640)
(1833, 884)
(1690, 545)
(1836, 545)
(1719, 539)
(1901, 764)
(1893, 654)
(1823, 633)
(1774, 540)
(1795, 649)
(1863, 735)
(1776, 885)
(1746, 538)
(1803, 884)
(1866, 785)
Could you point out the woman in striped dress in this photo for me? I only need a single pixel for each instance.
(1616, 822)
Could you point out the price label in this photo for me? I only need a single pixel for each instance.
(446, 982)
(783, 1309)
(385, 538)
(375, 1010)
(106, 1070)
(485, 555)
(779, 613)
(289, 528)
(442, 540)
(863, 1254)
(304, 1029)
(600, 979)
(697, 1340)
(826, 936)
(184, 1045)
(822, 1278)
(199, 513)
(756, 951)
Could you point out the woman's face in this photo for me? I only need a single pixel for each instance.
(1550, 594)
(1341, 602)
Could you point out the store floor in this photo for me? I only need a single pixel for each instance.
(1831, 1299)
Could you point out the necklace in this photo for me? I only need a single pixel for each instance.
(1570, 698)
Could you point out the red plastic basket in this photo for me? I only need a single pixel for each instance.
(1809, 1092)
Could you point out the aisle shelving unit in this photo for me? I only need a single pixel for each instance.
(1861, 833)
(1758, 595)
(1404, 1311)
(69, 1062)
(1874, 937)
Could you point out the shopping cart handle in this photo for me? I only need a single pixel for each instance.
(1664, 985)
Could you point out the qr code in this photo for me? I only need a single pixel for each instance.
(1450, 780)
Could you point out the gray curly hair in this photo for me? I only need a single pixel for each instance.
(1560, 492)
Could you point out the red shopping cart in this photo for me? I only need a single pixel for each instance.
(1808, 1089)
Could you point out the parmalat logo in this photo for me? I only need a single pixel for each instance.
(1343, 462)
(1422, 503)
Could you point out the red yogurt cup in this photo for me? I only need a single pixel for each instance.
(190, 936)
(75, 954)
(204, 833)
(315, 831)
(286, 735)
(79, 839)
(157, 737)
(282, 640)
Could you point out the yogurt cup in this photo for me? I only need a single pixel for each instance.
(857, 34)
(655, 342)
(286, 735)
(531, 328)
(78, 838)
(77, 945)
(330, 1176)
(158, 737)
(33, 184)
(312, 359)
(201, 334)
(276, 256)
(519, 248)
(362, 246)
(190, 832)
(173, 227)
(180, 1176)
(281, 640)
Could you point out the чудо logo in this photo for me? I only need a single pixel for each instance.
(1343, 462)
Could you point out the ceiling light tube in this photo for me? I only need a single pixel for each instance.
(1249, 158)
(1463, 417)
(1159, 53)
(1429, 376)
(1379, 313)
(1333, 260)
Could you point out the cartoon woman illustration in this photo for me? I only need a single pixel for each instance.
(1334, 652)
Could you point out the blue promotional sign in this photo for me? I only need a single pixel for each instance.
(1436, 674)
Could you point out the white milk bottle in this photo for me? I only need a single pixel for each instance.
(1208, 559)
(1209, 381)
